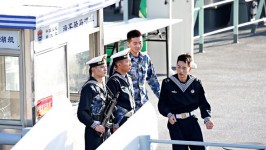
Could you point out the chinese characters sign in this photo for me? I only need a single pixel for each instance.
(76, 23)
(44, 105)
(65, 26)
(9, 39)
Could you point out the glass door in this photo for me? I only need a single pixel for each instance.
(9, 89)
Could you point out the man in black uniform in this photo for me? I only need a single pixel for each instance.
(93, 100)
(181, 94)
(120, 82)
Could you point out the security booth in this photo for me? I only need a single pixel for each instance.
(44, 46)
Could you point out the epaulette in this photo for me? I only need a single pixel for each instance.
(167, 80)
(114, 78)
(89, 82)
(195, 78)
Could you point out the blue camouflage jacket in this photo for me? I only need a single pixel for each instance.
(142, 71)
(92, 103)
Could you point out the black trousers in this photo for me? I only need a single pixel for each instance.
(93, 139)
(188, 130)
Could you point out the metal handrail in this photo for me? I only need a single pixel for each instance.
(145, 142)
(230, 28)
(214, 4)
(200, 12)
(217, 3)
(214, 144)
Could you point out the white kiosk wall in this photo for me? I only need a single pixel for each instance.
(182, 33)
(51, 73)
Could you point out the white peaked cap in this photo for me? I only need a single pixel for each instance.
(120, 55)
(97, 61)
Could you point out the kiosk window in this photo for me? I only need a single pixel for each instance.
(78, 70)
(12, 73)
(9, 88)
(78, 73)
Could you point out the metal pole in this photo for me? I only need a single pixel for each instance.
(259, 11)
(196, 11)
(125, 12)
(167, 52)
(144, 142)
(235, 20)
(201, 26)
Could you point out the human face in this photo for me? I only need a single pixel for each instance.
(124, 66)
(135, 45)
(182, 70)
(100, 71)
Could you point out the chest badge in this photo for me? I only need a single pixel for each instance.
(174, 91)
(192, 91)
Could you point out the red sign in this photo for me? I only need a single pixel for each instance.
(44, 105)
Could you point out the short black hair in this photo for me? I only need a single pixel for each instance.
(185, 58)
(133, 34)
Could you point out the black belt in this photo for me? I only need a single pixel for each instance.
(97, 117)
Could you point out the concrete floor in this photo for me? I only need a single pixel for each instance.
(234, 78)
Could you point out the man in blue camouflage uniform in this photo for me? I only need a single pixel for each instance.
(120, 84)
(93, 100)
(142, 70)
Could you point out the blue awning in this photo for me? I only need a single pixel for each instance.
(35, 14)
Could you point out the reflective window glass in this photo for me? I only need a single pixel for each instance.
(9, 88)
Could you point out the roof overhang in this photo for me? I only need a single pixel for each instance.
(32, 14)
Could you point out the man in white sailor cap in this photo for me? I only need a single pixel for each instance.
(96, 61)
(120, 82)
(93, 100)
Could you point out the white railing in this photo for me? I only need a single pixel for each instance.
(145, 142)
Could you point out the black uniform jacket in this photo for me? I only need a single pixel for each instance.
(123, 85)
(92, 102)
(177, 97)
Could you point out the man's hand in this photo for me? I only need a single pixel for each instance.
(100, 129)
(209, 124)
(172, 119)
(114, 129)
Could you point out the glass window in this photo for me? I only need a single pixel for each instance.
(78, 55)
(12, 73)
(78, 70)
(9, 88)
